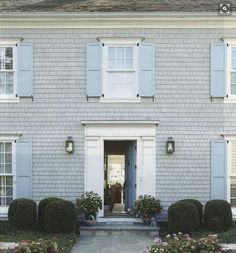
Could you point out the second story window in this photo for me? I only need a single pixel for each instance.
(120, 71)
(7, 71)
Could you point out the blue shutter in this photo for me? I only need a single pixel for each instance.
(23, 169)
(219, 170)
(94, 70)
(146, 70)
(24, 69)
(218, 69)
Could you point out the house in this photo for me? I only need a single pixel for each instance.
(92, 91)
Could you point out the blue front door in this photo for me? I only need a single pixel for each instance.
(130, 174)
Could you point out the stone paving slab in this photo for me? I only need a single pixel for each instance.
(112, 244)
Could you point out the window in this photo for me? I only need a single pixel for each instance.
(6, 174)
(232, 175)
(232, 70)
(7, 71)
(120, 71)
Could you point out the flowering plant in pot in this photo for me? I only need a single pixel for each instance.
(147, 206)
(89, 203)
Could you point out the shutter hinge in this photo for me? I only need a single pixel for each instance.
(211, 98)
(103, 95)
(135, 186)
(15, 141)
(227, 141)
(227, 95)
(137, 95)
(227, 44)
(137, 44)
(16, 95)
(103, 44)
(153, 98)
(32, 98)
(135, 166)
(87, 98)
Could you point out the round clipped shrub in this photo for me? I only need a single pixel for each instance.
(41, 210)
(217, 215)
(199, 206)
(60, 217)
(22, 214)
(183, 217)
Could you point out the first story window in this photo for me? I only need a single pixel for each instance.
(6, 174)
(120, 71)
(7, 70)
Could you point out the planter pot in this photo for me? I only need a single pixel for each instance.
(90, 217)
(51, 250)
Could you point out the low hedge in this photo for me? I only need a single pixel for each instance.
(60, 217)
(199, 206)
(217, 215)
(41, 210)
(183, 217)
(22, 214)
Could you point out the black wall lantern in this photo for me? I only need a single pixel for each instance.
(69, 145)
(170, 145)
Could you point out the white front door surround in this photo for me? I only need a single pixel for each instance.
(144, 132)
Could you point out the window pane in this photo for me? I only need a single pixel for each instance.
(129, 63)
(9, 191)
(8, 63)
(129, 52)
(1, 147)
(9, 52)
(9, 201)
(8, 147)
(2, 202)
(111, 52)
(120, 64)
(1, 157)
(233, 83)
(2, 168)
(2, 78)
(9, 180)
(9, 78)
(112, 64)
(8, 158)
(9, 89)
(8, 168)
(233, 53)
(120, 52)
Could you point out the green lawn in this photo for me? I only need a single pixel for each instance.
(9, 234)
(224, 236)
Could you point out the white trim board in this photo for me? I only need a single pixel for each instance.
(116, 20)
(144, 134)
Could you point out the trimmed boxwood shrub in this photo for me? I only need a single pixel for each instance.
(60, 217)
(41, 210)
(183, 217)
(22, 214)
(217, 215)
(199, 206)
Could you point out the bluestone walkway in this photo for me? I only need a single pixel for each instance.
(112, 244)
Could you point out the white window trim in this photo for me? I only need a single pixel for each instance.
(12, 139)
(11, 42)
(229, 148)
(132, 42)
(231, 42)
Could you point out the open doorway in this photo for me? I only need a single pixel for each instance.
(119, 176)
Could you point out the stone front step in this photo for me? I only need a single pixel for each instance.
(118, 228)
(229, 248)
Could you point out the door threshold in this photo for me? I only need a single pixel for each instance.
(119, 219)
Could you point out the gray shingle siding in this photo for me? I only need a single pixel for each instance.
(182, 104)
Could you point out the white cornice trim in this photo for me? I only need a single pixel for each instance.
(116, 20)
(10, 41)
(118, 122)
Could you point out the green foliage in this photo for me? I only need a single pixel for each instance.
(89, 203)
(217, 215)
(41, 210)
(183, 217)
(39, 246)
(199, 206)
(147, 206)
(183, 243)
(60, 217)
(22, 214)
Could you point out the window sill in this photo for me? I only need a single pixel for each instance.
(230, 100)
(120, 100)
(9, 99)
